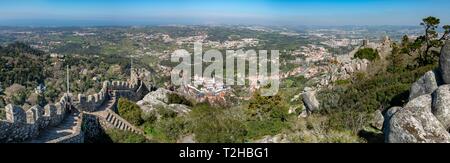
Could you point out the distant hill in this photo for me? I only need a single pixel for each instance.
(19, 48)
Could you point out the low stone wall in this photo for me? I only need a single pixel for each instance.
(141, 91)
(76, 137)
(133, 92)
(92, 129)
(21, 125)
(91, 102)
(122, 85)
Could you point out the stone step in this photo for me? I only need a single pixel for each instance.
(122, 125)
(108, 118)
(114, 120)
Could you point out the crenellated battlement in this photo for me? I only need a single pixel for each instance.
(122, 85)
(92, 102)
(21, 125)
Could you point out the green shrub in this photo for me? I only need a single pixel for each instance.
(150, 117)
(342, 82)
(293, 81)
(348, 107)
(170, 130)
(2, 103)
(217, 125)
(267, 107)
(383, 90)
(367, 53)
(130, 111)
(257, 129)
(19, 98)
(177, 99)
(2, 113)
(166, 113)
(316, 129)
(167, 128)
(348, 120)
(266, 115)
(119, 136)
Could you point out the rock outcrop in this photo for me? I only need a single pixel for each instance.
(444, 63)
(378, 120)
(180, 109)
(353, 66)
(441, 105)
(387, 117)
(160, 99)
(310, 100)
(342, 71)
(427, 84)
(305, 113)
(280, 138)
(415, 123)
(426, 117)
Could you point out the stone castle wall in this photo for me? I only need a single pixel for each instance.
(21, 125)
(91, 102)
(76, 137)
(122, 85)
(132, 91)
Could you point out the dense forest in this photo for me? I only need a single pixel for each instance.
(22, 64)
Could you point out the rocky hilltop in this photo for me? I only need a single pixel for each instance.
(426, 117)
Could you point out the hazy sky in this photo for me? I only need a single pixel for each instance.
(266, 12)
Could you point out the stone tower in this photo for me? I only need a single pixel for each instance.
(365, 43)
(134, 73)
(386, 41)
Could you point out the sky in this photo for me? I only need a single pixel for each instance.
(262, 12)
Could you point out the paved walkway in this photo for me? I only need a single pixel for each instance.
(66, 127)
(102, 110)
